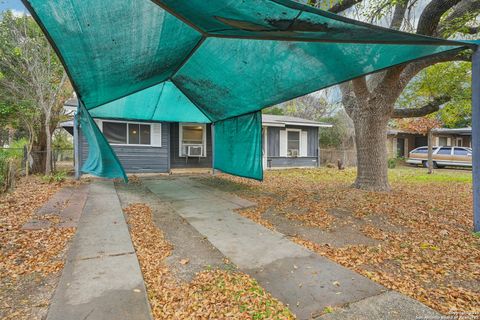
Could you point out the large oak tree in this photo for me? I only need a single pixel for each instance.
(370, 101)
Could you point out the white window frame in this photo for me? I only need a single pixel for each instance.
(128, 136)
(299, 141)
(180, 138)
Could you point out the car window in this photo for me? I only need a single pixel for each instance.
(460, 152)
(420, 150)
(444, 151)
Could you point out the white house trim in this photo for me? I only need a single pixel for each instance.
(155, 128)
(180, 137)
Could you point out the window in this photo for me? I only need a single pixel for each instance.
(127, 133)
(447, 151)
(420, 150)
(460, 152)
(192, 140)
(115, 132)
(293, 143)
(442, 141)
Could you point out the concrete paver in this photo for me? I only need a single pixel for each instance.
(300, 278)
(102, 279)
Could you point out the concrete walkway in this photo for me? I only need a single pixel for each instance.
(102, 278)
(298, 277)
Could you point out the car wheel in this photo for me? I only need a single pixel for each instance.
(425, 164)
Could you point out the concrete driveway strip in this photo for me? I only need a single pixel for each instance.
(102, 279)
(298, 277)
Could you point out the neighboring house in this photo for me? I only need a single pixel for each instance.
(400, 143)
(162, 146)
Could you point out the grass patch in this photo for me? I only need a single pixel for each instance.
(420, 175)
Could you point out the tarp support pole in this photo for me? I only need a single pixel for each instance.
(76, 144)
(212, 132)
(476, 137)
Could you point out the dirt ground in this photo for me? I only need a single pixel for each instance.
(417, 239)
(31, 261)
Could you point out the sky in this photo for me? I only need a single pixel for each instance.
(15, 5)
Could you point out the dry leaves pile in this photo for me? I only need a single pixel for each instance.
(435, 258)
(27, 254)
(212, 294)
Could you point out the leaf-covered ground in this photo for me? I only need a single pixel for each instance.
(30, 260)
(428, 251)
(212, 294)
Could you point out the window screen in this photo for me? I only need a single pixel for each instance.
(115, 132)
(445, 151)
(133, 133)
(192, 135)
(145, 134)
(293, 143)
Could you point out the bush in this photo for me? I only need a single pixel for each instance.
(392, 163)
(58, 176)
(10, 161)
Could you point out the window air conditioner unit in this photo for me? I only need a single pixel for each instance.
(294, 153)
(194, 151)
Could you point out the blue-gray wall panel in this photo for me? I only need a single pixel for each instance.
(273, 144)
(273, 136)
(138, 159)
(292, 162)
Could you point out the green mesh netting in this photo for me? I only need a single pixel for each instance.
(238, 145)
(101, 160)
(207, 61)
(163, 102)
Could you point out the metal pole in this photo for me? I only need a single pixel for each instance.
(212, 129)
(476, 137)
(76, 145)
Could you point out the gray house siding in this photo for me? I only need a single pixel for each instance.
(182, 162)
(273, 146)
(146, 159)
(137, 159)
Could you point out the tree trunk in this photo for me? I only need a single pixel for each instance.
(11, 136)
(430, 152)
(37, 152)
(48, 150)
(371, 141)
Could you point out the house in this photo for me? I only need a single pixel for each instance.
(400, 143)
(159, 147)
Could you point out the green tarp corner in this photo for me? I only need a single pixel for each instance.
(238, 146)
(101, 160)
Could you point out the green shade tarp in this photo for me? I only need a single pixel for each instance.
(238, 145)
(101, 159)
(163, 102)
(220, 58)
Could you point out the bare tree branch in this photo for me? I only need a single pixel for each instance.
(360, 88)
(423, 111)
(464, 8)
(398, 15)
(343, 5)
(431, 15)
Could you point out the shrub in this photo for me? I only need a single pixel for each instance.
(58, 176)
(392, 163)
